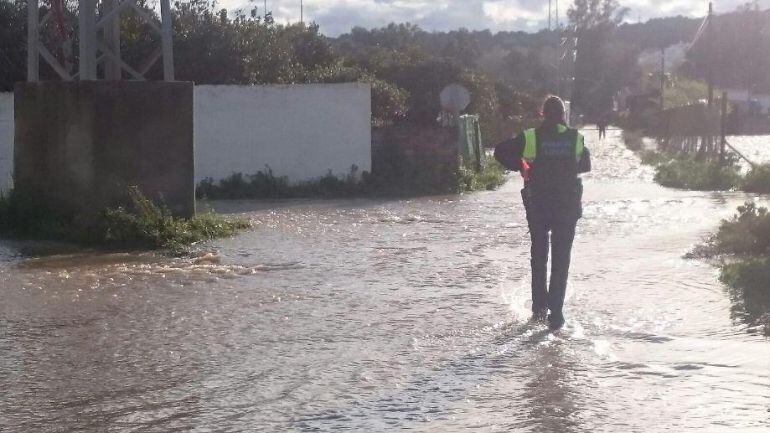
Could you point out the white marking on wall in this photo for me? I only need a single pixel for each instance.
(6, 141)
(299, 131)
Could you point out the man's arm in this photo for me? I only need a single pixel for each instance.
(509, 153)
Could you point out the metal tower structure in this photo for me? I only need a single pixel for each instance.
(553, 14)
(553, 18)
(98, 40)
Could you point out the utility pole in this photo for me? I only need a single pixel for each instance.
(723, 130)
(112, 69)
(557, 14)
(662, 76)
(710, 56)
(557, 62)
(33, 53)
(550, 7)
(301, 12)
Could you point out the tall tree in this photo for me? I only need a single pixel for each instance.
(593, 23)
(13, 49)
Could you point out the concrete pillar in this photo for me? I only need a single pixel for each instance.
(33, 36)
(112, 69)
(87, 36)
(80, 145)
(167, 40)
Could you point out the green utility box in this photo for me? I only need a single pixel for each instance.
(469, 143)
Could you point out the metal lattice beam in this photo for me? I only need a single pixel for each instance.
(99, 42)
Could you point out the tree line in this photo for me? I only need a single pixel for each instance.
(595, 53)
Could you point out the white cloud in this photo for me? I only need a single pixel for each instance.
(339, 16)
(502, 12)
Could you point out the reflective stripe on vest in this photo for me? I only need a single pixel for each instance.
(530, 143)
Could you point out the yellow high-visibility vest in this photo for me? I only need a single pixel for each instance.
(530, 143)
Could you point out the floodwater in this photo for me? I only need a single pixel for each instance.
(754, 147)
(377, 316)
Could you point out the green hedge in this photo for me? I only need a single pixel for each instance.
(142, 225)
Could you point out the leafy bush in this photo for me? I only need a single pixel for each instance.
(419, 175)
(264, 184)
(750, 281)
(142, 225)
(23, 217)
(758, 180)
(147, 225)
(633, 139)
(753, 273)
(491, 176)
(748, 232)
(744, 243)
(689, 172)
(654, 158)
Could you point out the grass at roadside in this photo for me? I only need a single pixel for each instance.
(421, 178)
(142, 225)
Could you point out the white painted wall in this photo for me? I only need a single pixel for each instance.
(300, 131)
(6, 141)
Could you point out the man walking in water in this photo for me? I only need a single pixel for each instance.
(549, 158)
(602, 126)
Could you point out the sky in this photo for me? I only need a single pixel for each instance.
(339, 16)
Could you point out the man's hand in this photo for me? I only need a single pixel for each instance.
(524, 169)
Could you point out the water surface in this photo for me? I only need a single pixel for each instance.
(376, 316)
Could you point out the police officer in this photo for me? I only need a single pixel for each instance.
(549, 159)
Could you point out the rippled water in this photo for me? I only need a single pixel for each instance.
(364, 315)
(755, 147)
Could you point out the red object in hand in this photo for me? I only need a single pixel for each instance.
(525, 169)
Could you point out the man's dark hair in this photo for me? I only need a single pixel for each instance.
(553, 109)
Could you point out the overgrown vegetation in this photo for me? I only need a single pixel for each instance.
(633, 139)
(418, 176)
(743, 245)
(265, 184)
(696, 172)
(746, 233)
(750, 283)
(491, 176)
(693, 171)
(758, 180)
(142, 225)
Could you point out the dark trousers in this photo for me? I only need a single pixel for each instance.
(561, 235)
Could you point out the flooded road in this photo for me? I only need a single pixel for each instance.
(377, 316)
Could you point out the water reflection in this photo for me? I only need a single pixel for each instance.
(751, 305)
(554, 404)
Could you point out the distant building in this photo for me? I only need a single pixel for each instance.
(751, 113)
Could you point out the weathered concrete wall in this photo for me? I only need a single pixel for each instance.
(416, 155)
(80, 145)
(6, 141)
(300, 131)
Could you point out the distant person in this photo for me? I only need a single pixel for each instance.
(602, 125)
(549, 159)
